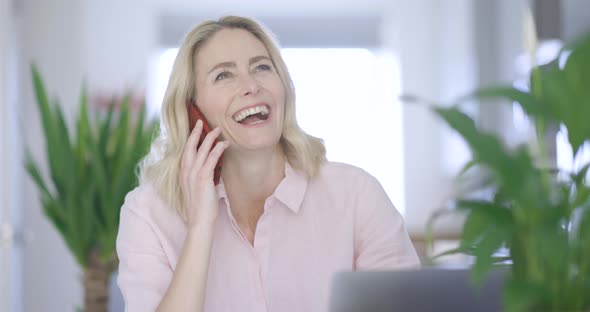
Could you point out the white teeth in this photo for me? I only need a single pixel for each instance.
(251, 111)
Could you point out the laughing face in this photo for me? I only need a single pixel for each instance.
(239, 90)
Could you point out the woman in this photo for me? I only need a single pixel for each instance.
(282, 220)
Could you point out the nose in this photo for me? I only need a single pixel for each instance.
(248, 85)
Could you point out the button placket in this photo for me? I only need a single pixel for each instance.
(260, 282)
(235, 225)
(261, 248)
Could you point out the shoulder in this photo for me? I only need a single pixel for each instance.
(141, 197)
(336, 171)
(342, 180)
(144, 201)
(147, 222)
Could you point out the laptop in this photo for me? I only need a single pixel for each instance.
(429, 289)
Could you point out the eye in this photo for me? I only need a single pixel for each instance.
(223, 75)
(263, 67)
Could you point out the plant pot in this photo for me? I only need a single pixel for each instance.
(96, 283)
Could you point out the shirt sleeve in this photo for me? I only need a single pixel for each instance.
(144, 271)
(381, 239)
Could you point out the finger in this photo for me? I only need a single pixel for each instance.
(205, 148)
(190, 147)
(213, 158)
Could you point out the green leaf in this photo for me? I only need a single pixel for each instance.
(33, 171)
(105, 127)
(467, 167)
(582, 174)
(83, 132)
(121, 140)
(43, 104)
(77, 241)
(514, 171)
(476, 224)
(50, 128)
(98, 170)
(492, 212)
(553, 248)
(453, 251)
(51, 209)
(527, 101)
(127, 179)
(577, 193)
(87, 220)
(576, 76)
(49, 203)
(97, 165)
(484, 251)
(584, 230)
(67, 173)
(487, 149)
(521, 295)
(486, 229)
(565, 94)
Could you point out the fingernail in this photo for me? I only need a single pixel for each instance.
(199, 123)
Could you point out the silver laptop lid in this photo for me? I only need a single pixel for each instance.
(428, 289)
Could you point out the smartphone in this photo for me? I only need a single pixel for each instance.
(195, 114)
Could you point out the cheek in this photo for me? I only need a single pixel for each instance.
(218, 95)
(211, 105)
(278, 91)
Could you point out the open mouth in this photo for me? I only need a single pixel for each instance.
(252, 115)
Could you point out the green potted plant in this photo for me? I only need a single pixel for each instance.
(538, 214)
(90, 171)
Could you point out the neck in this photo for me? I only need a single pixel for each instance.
(251, 177)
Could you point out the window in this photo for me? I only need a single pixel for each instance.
(347, 97)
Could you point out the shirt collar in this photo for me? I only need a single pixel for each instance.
(220, 188)
(291, 190)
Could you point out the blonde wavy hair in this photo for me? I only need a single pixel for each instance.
(161, 166)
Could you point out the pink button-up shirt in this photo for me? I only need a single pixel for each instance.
(340, 221)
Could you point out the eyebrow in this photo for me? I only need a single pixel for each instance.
(253, 60)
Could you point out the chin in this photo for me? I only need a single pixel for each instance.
(259, 145)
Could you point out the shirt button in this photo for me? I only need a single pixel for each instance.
(270, 201)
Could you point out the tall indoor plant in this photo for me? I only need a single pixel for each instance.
(91, 169)
(539, 214)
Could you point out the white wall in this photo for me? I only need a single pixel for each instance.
(118, 37)
(105, 42)
(50, 34)
(446, 50)
(434, 41)
(9, 175)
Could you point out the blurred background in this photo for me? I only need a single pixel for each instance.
(350, 61)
